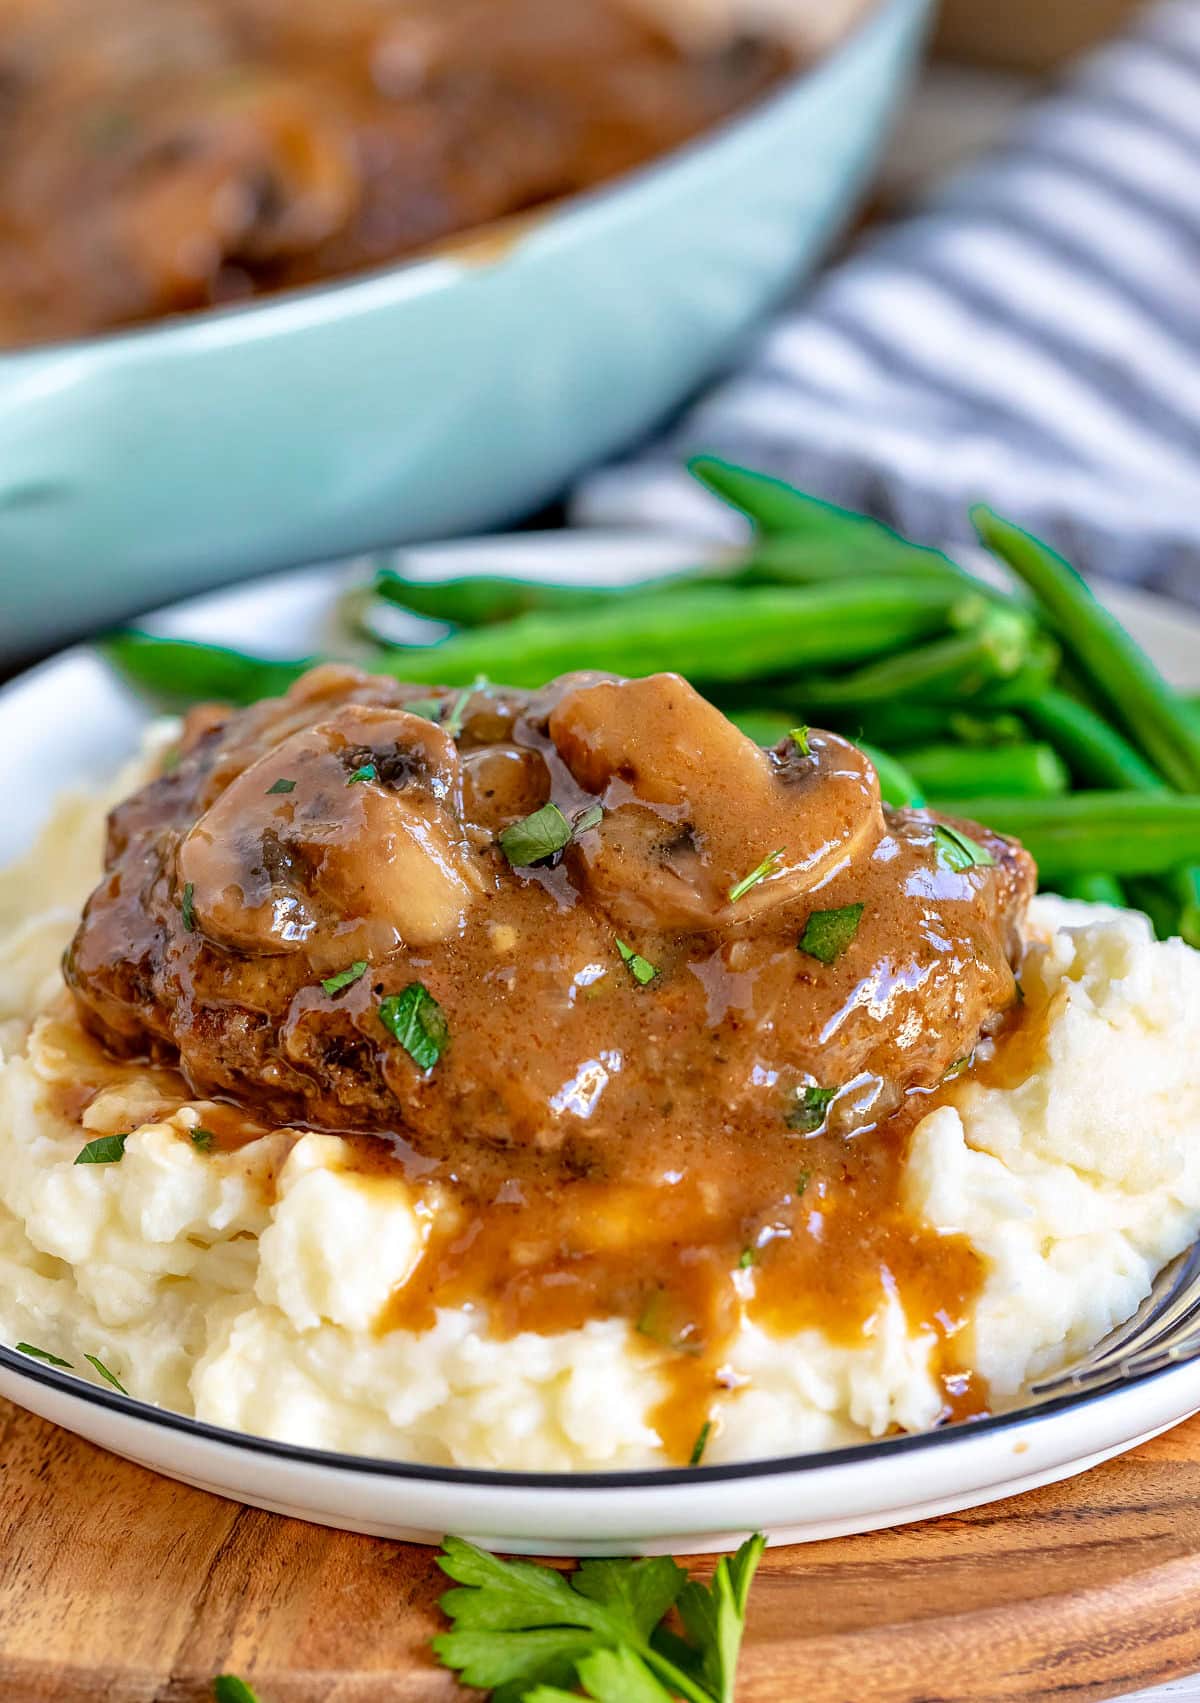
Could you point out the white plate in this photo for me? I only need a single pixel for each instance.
(68, 722)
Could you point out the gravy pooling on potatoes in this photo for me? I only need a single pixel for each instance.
(728, 1133)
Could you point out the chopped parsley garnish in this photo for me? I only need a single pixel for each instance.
(344, 978)
(535, 837)
(660, 1321)
(799, 738)
(281, 785)
(544, 834)
(44, 1354)
(742, 887)
(701, 1443)
(542, 1634)
(367, 772)
(228, 1688)
(641, 969)
(104, 1150)
(956, 850)
(588, 819)
(828, 933)
(956, 1069)
(203, 1138)
(99, 1366)
(429, 709)
(187, 908)
(810, 1109)
(453, 723)
(418, 1022)
(802, 1182)
(746, 1260)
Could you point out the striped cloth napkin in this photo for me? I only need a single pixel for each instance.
(1031, 337)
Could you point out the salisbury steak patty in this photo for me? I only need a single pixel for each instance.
(314, 910)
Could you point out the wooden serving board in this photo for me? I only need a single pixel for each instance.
(116, 1584)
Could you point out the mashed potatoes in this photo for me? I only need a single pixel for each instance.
(244, 1287)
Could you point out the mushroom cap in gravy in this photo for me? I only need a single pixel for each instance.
(649, 978)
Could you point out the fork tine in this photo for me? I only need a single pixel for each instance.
(1171, 1308)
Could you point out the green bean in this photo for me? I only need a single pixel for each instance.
(804, 560)
(778, 510)
(1153, 899)
(717, 634)
(1095, 888)
(947, 668)
(1184, 886)
(1122, 833)
(900, 722)
(1116, 667)
(1030, 771)
(896, 785)
(1094, 752)
(765, 727)
(179, 671)
(1036, 675)
(480, 600)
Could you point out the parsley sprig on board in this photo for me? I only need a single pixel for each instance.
(528, 1633)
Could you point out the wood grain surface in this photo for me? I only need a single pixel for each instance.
(116, 1584)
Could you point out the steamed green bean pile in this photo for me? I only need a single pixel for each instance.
(1029, 709)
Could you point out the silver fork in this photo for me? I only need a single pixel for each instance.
(1164, 1331)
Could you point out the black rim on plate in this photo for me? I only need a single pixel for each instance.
(647, 1478)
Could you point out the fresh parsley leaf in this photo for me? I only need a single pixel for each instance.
(418, 1022)
(535, 837)
(104, 1372)
(746, 1259)
(344, 978)
(742, 887)
(701, 1443)
(227, 1688)
(607, 1676)
(187, 908)
(518, 1624)
(715, 1617)
(810, 1109)
(802, 1182)
(641, 969)
(366, 772)
(281, 785)
(43, 1354)
(956, 850)
(203, 1138)
(957, 1068)
(799, 738)
(828, 933)
(104, 1150)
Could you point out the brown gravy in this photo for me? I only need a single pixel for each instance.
(601, 1146)
(158, 156)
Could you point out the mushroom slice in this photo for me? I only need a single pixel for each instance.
(349, 826)
(693, 807)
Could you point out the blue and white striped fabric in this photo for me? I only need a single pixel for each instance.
(1031, 337)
